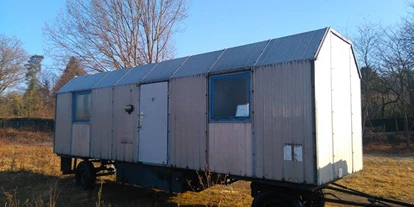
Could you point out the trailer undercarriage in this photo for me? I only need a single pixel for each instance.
(265, 194)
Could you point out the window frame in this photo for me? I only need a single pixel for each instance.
(74, 107)
(213, 119)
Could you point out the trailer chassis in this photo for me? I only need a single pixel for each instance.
(371, 200)
(277, 195)
(266, 193)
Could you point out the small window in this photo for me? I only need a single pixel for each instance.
(230, 97)
(82, 106)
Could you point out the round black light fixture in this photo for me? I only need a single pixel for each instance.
(129, 108)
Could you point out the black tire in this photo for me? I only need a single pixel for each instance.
(275, 199)
(314, 199)
(85, 175)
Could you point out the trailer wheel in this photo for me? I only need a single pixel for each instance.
(85, 175)
(275, 199)
(314, 199)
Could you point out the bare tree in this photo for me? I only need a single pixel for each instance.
(12, 57)
(366, 41)
(408, 32)
(113, 34)
(397, 67)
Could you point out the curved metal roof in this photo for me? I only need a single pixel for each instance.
(303, 46)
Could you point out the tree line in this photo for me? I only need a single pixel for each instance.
(37, 99)
(87, 36)
(91, 36)
(386, 60)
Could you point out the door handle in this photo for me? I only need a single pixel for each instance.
(141, 120)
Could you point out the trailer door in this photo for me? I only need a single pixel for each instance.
(153, 123)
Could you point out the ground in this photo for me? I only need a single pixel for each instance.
(30, 176)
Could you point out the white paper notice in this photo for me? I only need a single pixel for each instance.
(287, 152)
(297, 150)
(242, 110)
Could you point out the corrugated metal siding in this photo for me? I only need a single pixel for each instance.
(91, 81)
(230, 148)
(337, 114)
(241, 57)
(111, 78)
(187, 122)
(101, 123)
(136, 74)
(323, 113)
(63, 123)
(125, 125)
(295, 47)
(356, 116)
(341, 107)
(80, 139)
(198, 64)
(72, 84)
(164, 70)
(283, 115)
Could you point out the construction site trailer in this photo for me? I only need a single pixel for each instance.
(284, 113)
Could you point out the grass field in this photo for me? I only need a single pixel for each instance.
(30, 176)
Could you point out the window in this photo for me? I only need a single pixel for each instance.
(81, 106)
(230, 97)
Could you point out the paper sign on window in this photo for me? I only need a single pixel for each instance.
(242, 110)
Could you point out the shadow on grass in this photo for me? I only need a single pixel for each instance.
(29, 187)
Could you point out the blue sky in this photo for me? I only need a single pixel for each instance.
(217, 24)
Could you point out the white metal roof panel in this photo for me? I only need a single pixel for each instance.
(164, 70)
(136, 74)
(295, 47)
(72, 84)
(91, 81)
(198, 64)
(111, 78)
(240, 57)
(285, 49)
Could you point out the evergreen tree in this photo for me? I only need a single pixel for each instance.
(32, 97)
(73, 69)
(33, 67)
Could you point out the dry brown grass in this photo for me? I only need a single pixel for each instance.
(390, 177)
(34, 158)
(26, 136)
(30, 176)
(382, 148)
(387, 143)
(236, 194)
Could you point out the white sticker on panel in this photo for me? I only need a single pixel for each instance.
(297, 150)
(287, 152)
